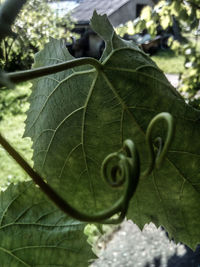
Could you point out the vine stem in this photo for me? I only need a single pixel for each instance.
(121, 205)
(22, 76)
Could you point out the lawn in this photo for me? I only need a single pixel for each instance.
(12, 127)
(169, 62)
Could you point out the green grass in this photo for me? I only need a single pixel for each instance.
(169, 62)
(12, 128)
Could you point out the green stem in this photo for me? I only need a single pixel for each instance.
(62, 204)
(22, 76)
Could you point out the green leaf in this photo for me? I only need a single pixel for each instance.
(165, 21)
(146, 13)
(78, 117)
(33, 232)
(108, 34)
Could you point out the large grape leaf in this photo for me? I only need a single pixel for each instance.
(33, 232)
(78, 117)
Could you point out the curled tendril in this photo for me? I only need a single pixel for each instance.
(116, 175)
(157, 159)
(129, 164)
(125, 171)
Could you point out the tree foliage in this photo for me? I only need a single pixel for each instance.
(32, 29)
(34, 25)
(184, 17)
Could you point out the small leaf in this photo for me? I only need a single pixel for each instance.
(33, 232)
(175, 8)
(146, 13)
(165, 21)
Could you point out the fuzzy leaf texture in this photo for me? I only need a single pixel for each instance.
(77, 117)
(33, 232)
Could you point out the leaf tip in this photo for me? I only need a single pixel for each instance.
(101, 25)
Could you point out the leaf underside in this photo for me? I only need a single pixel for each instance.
(33, 232)
(77, 117)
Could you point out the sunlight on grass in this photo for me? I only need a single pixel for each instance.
(168, 62)
(12, 128)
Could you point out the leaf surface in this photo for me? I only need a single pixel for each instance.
(78, 117)
(33, 232)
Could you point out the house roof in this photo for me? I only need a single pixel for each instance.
(85, 9)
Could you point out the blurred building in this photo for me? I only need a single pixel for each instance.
(118, 11)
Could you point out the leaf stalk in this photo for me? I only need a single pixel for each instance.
(103, 217)
(22, 76)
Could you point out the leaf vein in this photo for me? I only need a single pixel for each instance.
(53, 136)
(51, 94)
(15, 257)
(67, 158)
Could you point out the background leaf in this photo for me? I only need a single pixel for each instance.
(78, 117)
(33, 232)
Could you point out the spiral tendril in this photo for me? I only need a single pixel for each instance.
(124, 172)
(156, 159)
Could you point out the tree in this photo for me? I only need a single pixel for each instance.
(184, 16)
(34, 25)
